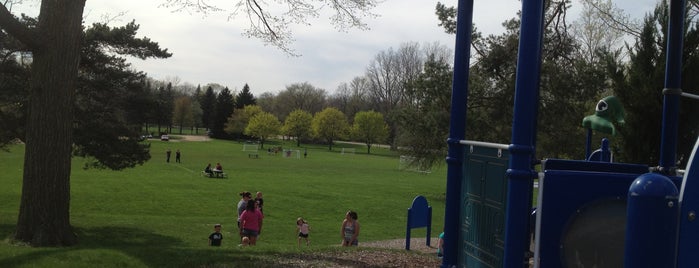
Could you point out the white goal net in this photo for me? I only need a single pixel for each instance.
(347, 151)
(409, 163)
(250, 147)
(292, 154)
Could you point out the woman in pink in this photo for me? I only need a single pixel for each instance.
(251, 221)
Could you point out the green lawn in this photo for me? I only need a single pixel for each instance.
(160, 214)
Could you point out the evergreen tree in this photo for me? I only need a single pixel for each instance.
(223, 109)
(245, 98)
(640, 91)
(208, 106)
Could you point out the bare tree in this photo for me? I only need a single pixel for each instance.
(302, 96)
(613, 17)
(593, 32)
(388, 75)
(353, 97)
(274, 28)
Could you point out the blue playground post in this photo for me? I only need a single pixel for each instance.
(652, 217)
(673, 83)
(455, 157)
(522, 149)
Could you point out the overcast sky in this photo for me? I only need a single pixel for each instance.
(211, 49)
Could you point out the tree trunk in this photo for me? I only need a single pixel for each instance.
(44, 214)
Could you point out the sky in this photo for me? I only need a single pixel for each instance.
(211, 48)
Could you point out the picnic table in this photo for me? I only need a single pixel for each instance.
(214, 174)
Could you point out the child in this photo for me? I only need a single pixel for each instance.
(440, 245)
(350, 229)
(216, 237)
(302, 227)
(260, 201)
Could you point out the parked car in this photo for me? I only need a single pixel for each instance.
(165, 137)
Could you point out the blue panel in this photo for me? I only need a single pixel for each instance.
(483, 198)
(562, 194)
(688, 250)
(419, 213)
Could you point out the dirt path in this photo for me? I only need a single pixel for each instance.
(178, 138)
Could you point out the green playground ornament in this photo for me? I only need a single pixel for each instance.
(608, 110)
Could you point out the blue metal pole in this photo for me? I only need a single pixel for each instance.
(652, 214)
(457, 132)
(588, 144)
(673, 81)
(522, 149)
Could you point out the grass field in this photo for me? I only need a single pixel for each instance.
(160, 214)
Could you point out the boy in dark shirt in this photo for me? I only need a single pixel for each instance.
(216, 237)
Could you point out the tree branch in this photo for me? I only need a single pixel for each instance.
(19, 31)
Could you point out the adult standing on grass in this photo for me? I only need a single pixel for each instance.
(177, 156)
(242, 204)
(167, 155)
(350, 229)
(251, 221)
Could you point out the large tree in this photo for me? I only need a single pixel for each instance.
(223, 109)
(352, 98)
(298, 124)
(387, 75)
(55, 44)
(302, 96)
(425, 120)
(330, 125)
(104, 128)
(112, 98)
(262, 126)
(208, 105)
(238, 121)
(245, 98)
(182, 114)
(370, 128)
(639, 86)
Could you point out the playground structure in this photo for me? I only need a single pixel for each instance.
(590, 213)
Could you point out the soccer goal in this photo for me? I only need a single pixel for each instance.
(347, 151)
(288, 153)
(409, 163)
(251, 147)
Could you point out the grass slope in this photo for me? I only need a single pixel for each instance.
(160, 214)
